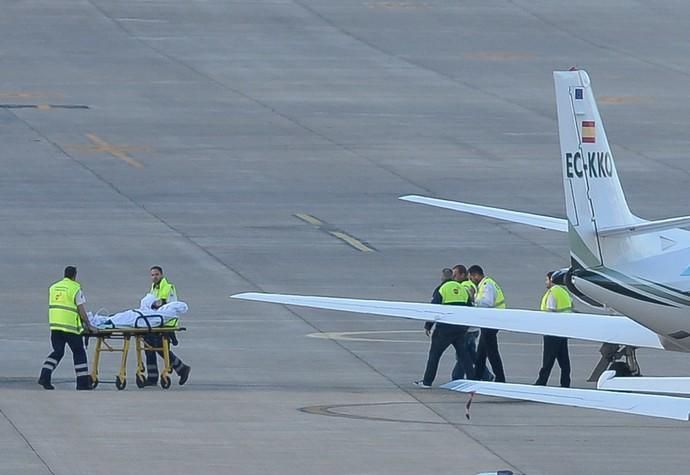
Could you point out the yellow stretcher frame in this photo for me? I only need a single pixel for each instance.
(126, 334)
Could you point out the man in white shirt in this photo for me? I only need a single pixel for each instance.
(489, 295)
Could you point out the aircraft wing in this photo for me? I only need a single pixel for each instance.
(544, 222)
(668, 407)
(582, 326)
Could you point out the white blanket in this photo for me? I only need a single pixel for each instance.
(142, 317)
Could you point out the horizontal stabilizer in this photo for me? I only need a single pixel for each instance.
(667, 407)
(646, 227)
(582, 326)
(544, 222)
(663, 385)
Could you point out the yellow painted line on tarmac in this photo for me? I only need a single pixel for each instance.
(621, 99)
(43, 107)
(115, 151)
(27, 94)
(336, 233)
(354, 242)
(309, 219)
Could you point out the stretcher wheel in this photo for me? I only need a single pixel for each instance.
(141, 381)
(120, 383)
(94, 383)
(165, 381)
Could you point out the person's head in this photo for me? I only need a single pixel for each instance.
(446, 275)
(156, 274)
(476, 273)
(460, 273)
(71, 272)
(549, 282)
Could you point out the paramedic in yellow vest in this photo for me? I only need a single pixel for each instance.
(489, 295)
(449, 292)
(164, 292)
(556, 299)
(67, 319)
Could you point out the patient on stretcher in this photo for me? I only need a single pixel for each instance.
(142, 317)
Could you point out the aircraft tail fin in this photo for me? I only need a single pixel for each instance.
(593, 194)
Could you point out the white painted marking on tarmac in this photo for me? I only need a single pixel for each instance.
(356, 336)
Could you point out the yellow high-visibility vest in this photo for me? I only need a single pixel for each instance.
(62, 310)
(470, 286)
(500, 301)
(564, 303)
(453, 293)
(163, 290)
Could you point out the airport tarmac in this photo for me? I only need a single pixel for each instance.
(261, 146)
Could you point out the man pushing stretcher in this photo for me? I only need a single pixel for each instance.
(164, 292)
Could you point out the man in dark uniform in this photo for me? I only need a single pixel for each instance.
(67, 318)
(449, 292)
(556, 299)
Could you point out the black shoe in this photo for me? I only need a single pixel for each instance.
(184, 374)
(84, 388)
(150, 382)
(46, 384)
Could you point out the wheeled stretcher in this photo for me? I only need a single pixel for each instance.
(105, 341)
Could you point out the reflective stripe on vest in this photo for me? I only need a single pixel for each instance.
(453, 293)
(63, 314)
(500, 301)
(564, 303)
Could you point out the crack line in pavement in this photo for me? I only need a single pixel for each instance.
(14, 426)
(611, 49)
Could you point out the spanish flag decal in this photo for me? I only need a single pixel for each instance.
(588, 132)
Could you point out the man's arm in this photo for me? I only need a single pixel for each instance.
(81, 309)
(164, 294)
(437, 299)
(551, 303)
(471, 292)
(79, 301)
(488, 297)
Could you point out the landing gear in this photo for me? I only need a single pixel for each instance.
(619, 358)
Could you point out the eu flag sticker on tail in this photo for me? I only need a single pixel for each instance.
(578, 94)
(588, 132)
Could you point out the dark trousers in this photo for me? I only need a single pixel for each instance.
(488, 347)
(471, 357)
(464, 358)
(58, 340)
(151, 362)
(555, 348)
(443, 336)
